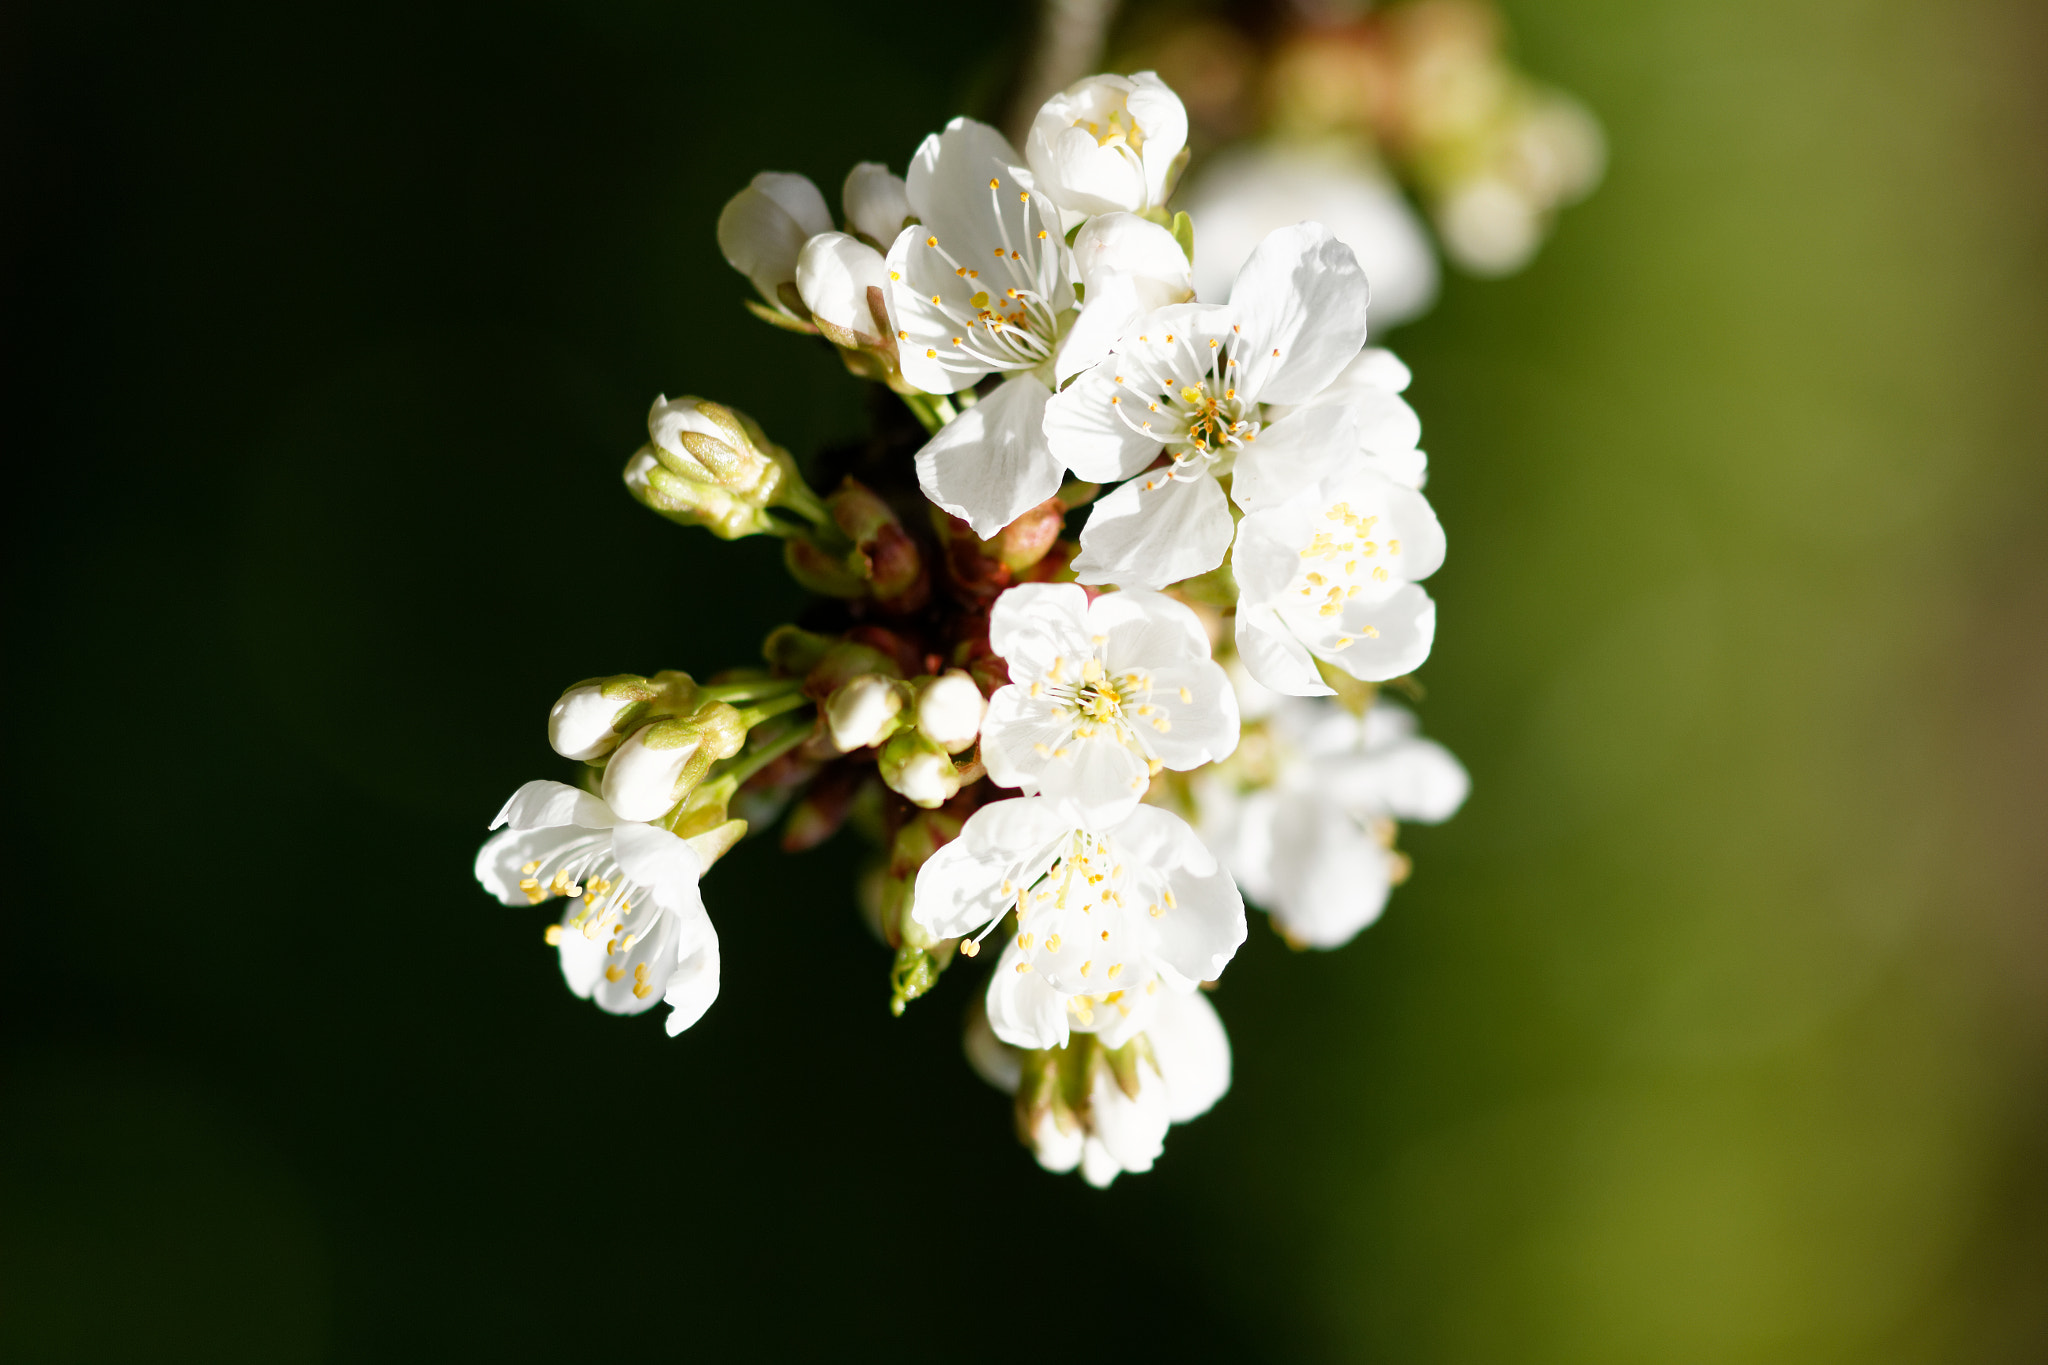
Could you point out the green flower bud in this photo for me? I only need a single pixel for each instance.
(865, 710)
(592, 717)
(919, 770)
(706, 442)
(692, 502)
(661, 763)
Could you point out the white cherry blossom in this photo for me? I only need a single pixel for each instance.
(982, 284)
(1182, 1069)
(1101, 696)
(1313, 843)
(1108, 143)
(1187, 385)
(763, 228)
(635, 932)
(1329, 575)
(1107, 918)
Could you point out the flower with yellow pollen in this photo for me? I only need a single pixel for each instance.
(982, 284)
(635, 933)
(1108, 143)
(1106, 917)
(1101, 696)
(1187, 399)
(1330, 575)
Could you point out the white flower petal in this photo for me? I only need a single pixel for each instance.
(763, 228)
(662, 862)
(1154, 531)
(1411, 779)
(876, 201)
(1133, 1130)
(1023, 1010)
(1193, 1052)
(539, 805)
(693, 985)
(991, 464)
(1087, 434)
(500, 863)
(1273, 655)
(1334, 877)
(1403, 626)
(1303, 296)
(1142, 629)
(1033, 624)
(833, 275)
(1293, 454)
(1128, 266)
(960, 888)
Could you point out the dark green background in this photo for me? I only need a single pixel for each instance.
(1712, 1030)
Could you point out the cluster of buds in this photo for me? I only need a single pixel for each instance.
(1035, 728)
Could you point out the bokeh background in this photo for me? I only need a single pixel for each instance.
(1714, 1029)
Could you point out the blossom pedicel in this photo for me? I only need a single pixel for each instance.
(1058, 763)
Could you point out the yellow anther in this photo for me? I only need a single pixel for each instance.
(1024, 941)
(1023, 966)
(1052, 945)
(933, 241)
(530, 869)
(994, 183)
(1116, 969)
(968, 947)
(1087, 966)
(552, 935)
(614, 973)
(1380, 575)
(1186, 696)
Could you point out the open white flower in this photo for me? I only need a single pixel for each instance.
(1101, 696)
(1314, 846)
(1181, 1070)
(1104, 916)
(1108, 143)
(1330, 574)
(1186, 385)
(635, 931)
(983, 284)
(763, 228)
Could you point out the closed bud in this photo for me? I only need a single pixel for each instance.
(863, 711)
(949, 710)
(707, 442)
(838, 278)
(793, 651)
(763, 228)
(887, 557)
(592, 717)
(661, 763)
(877, 203)
(919, 770)
(691, 502)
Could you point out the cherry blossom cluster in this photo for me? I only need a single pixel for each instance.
(1075, 756)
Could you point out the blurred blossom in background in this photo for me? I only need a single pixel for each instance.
(1713, 1028)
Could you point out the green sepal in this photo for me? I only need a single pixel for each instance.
(1184, 233)
(776, 318)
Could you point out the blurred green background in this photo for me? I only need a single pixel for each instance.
(1712, 1030)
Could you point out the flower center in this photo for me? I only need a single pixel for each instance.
(1345, 555)
(586, 870)
(1114, 131)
